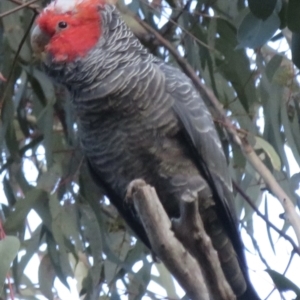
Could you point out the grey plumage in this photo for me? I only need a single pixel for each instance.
(141, 118)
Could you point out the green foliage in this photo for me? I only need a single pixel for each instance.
(262, 9)
(43, 171)
(283, 284)
(9, 248)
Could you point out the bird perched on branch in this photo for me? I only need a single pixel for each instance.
(140, 118)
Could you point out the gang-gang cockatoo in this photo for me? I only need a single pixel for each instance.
(140, 118)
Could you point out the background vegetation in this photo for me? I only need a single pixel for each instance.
(52, 213)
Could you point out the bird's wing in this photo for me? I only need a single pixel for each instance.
(205, 144)
(126, 211)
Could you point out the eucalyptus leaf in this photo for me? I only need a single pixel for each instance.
(262, 9)
(270, 151)
(268, 227)
(296, 48)
(22, 208)
(273, 65)
(282, 283)
(293, 21)
(254, 32)
(9, 248)
(46, 277)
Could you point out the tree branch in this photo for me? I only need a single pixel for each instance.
(247, 149)
(173, 252)
(189, 229)
(23, 5)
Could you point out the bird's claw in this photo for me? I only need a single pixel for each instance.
(132, 187)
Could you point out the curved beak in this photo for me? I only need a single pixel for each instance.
(39, 40)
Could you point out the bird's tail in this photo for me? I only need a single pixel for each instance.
(234, 270)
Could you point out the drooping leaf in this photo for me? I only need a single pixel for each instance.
(92, 234)
(234, 67)
(267, 225)
(31, 247)
(273, 66)
(282, 283)
(293, 21)
(296, 48)
(22, 208)
(46, 277)
(254, 32)
(139, 281)
(262, 9)
(270, 151)
(288, 132)
(9, 248)
(9, 192)
(59, 260)
(166, 281)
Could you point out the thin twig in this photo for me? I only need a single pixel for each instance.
(35, 8)
(257, 248)
(13, 10)
(261, 258)
(280, 232)
(174, 20)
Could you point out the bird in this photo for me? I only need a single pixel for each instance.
(139, 117)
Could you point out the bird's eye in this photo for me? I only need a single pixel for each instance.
(62, 25)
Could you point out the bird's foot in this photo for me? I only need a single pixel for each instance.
(132, 187)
